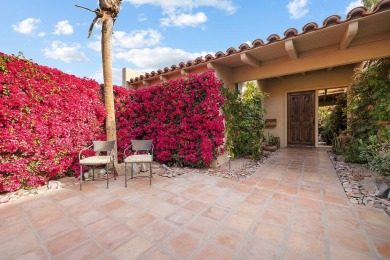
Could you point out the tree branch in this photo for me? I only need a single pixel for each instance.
(99, 14)
(97, 11)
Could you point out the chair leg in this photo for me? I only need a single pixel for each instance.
(131, 165)
(125, 175)
(107, 174)
(81, 177)
(113, 170)
(93, 173)
(150, 169)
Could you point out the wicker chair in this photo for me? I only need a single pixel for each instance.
(138, 146)
(98, 159)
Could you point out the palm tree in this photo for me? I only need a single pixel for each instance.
(370, 4)
(107, 14)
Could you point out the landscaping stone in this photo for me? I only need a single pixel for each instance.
(383, 191)
(13, 196)
(361, 185)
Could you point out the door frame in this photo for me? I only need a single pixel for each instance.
(315, 113)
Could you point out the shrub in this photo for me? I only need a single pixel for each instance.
(45, 117)
(244, 121)
(182, 117)
(335, 120)
(369, 109)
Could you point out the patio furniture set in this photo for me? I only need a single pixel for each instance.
(142, 152)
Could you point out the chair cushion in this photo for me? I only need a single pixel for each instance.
(139, 158)
(95, 160)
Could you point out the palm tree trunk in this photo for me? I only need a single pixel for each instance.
(107, 31)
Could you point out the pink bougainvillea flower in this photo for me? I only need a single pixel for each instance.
(370, 107)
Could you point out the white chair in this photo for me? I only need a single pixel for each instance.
(139, 146)
(98, 159)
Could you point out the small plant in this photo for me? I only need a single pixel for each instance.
(272, 140)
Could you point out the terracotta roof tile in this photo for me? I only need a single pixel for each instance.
(292, 32)
(332, 20)
(208, 57)
(257, 43)
(381, 6)
(356, 13)
(244, 47)
(310, 27)
(219, 54)
(273, 38)
(198, 60)
(231, 51)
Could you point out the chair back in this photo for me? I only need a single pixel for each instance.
(141, 145)
(103, 146)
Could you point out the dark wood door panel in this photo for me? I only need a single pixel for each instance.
(300, 118)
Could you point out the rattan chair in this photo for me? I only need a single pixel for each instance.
(98, 159)
(143, 153)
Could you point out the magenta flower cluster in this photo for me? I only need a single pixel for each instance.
(182, 117)
(46, 116)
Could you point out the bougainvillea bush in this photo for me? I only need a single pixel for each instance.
(182, 117)
(46, 116)
(369, 110)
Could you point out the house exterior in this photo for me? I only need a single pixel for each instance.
(295, 69)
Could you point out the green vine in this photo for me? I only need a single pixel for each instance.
(244, 121)
(369, 110)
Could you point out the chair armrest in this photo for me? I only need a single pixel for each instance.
(152, 148)
(84, 150)
(124, 152)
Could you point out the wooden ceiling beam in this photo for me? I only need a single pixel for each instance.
(291, 50)
(250, 60)
(349, 35)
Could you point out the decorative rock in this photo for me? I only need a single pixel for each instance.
(383, 191)
(102, 172)
(51, 185)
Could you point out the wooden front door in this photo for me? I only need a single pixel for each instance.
(301, 118)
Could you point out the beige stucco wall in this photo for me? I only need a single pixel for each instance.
(276, 102)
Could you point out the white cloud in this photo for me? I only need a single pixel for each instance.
(183, 20)
(171, 6)
(298, 8)
(142, 17)
(151, 59)
(41, 34)
(64, 52)
(27, 26)
(63, 27)
(353, 5)
(116, 76)
(134, 39)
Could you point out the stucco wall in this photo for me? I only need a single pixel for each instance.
(276, 102)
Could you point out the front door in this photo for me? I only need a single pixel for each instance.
(301, 118)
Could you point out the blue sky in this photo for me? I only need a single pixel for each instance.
(150, 34)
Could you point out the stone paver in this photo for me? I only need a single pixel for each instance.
(293, 207)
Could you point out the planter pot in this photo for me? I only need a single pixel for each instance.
(270, 148)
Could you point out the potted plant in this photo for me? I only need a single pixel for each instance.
(272, 143)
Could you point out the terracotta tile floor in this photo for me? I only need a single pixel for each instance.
(292, 207)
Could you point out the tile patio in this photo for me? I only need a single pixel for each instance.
(292, 208)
